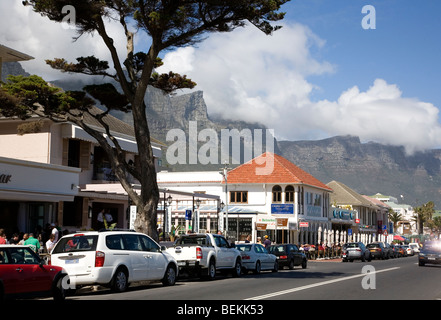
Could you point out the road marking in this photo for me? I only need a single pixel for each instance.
(309, 286)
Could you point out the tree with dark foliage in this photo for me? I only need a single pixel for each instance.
(169, 25)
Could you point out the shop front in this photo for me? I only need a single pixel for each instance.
(30, 193)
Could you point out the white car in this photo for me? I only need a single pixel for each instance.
(113, 259)
(256, 258)
(409, 250)
(415, 246)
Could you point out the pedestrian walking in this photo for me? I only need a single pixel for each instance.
(50, 244)
(32, 242)
(267, 241)
(3, 237)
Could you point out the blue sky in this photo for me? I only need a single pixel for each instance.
(321, 75)
(405, 47)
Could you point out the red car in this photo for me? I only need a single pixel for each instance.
(24, 275)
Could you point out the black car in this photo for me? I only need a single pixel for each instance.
(288, 255)
(430, 253)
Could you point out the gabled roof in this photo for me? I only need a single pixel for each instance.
(283, 172)
(343, 195)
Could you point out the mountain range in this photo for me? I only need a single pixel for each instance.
(368, 168)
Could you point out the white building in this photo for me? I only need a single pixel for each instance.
(258, 204)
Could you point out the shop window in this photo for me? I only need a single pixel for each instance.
(277, 194)
(238, 196)
(289, 194)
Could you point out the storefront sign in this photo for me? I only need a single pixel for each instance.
(5, 178)
(304, 224)
(284, 208)
(260, 226)
(282, 222)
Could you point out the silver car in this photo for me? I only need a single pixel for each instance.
(255, 258)
(355, 251)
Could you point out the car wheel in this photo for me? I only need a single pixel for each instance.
(291, 264)
(211, 272)
(58, 292)
(169, 276)
(258, 267)
(237, 270)
(304, 263)
(120, 281)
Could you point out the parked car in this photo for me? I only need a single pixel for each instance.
(24, 274)
(401, 251)
(415, 246)
(430, 253)
(355, 251)
(381, 250)
(396, 250)
(205, 254)
(288, 255)
(255, 258)
(408, 249)
(113, 259)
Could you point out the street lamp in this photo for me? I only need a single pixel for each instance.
(224, 174)
(198, 203)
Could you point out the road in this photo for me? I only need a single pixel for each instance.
(393, 279)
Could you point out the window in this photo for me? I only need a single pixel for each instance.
(289, 194)
(238, 196)
(149, 244)
(133, 242)
(277, 194)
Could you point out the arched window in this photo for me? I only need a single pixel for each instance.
(289, 194)
(277, 194)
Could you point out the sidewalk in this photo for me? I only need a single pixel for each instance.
(336, 259)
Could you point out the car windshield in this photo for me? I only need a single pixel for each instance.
(193, 240)
(352, 245)
(276, 249)
(75, 243)
(432, 246)
(243, 247)
(373, 245)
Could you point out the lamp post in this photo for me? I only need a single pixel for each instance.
(169, 214)
(224, 174)
(196, 227)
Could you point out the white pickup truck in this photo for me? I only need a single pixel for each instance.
(206, 253)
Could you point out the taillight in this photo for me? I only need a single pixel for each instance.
(198, 253)
(283, 257)
(358, 249)
(246, 257)
(99, 259)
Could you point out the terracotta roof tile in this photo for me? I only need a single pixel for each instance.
(282, 172)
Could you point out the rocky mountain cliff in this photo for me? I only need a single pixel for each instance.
(368, 168)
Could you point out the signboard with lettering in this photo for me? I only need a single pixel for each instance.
(282, 208)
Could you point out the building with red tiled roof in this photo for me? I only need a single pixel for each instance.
(268, 195)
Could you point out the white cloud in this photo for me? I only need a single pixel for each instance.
(26, 31)
(249, 76)
(253, 77)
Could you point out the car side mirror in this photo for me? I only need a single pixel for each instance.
(163, 248)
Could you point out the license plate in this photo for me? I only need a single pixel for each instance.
(372, 250)
(432, 259)
(73, 261)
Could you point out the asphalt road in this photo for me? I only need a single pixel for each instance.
(393, 279)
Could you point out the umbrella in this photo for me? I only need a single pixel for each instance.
(400, 238)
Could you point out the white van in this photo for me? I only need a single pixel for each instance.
(113, 259)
